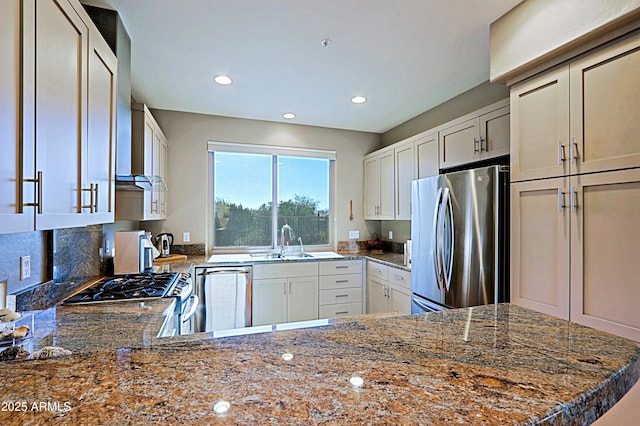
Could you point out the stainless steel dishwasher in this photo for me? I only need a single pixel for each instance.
(225, 298)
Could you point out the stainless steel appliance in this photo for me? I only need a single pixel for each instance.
(225, 298)
(143, 287)
(459, 233)
(164, 242)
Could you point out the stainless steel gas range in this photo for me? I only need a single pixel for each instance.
(144, 287)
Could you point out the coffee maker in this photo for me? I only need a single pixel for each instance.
(133, 252)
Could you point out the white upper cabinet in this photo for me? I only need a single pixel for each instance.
(149, 158)
(60, 113)
(16, 135)
(605, 109)
(426, 151)
(478, 136)
(540, 127)
(101, 131)
(404, 174)
(379, 185)
(579, 118)
(59, 117)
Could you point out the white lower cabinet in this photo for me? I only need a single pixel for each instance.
(388, 289)
(340, 288)
(284, 293)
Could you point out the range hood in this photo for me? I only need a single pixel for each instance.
(115, 34)
(140, 183)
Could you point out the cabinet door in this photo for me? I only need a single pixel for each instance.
(156, 158)
(376, 295)
(460, 144)
(371, 180)
(494, 133)
(404, 165)
(605, 271)
(427, 156)
(303, 299)
(387, 186)
(605, 106)
(101, 131)
(60, 111)
(399, 300)
(540, 246)
(163, 173)
(16, 158)
(540, 127)
(269, 301)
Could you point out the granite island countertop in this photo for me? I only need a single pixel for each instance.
(496, 364)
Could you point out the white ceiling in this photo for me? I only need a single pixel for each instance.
(405, 56)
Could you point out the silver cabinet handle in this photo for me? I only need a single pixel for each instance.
(574, 150)
(561, 204)
(341, 313)
(95, 199)
(476, 146)
(486, 146)
(341, 281)
(341, 295)
(91, 199)
(574, 201)
(398, 277)
(342, 267)
(561, 155)
(38, 182)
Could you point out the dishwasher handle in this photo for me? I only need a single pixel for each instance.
(226, 271)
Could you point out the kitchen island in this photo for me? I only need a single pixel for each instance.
(496, 364)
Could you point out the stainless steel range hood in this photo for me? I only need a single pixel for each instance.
(140, 183)
(114, 32)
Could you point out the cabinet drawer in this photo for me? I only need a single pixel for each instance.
(400, 277)
(285, 270)
(340, 267)
(341, 295)
(328, 282)
(378, 270)
(340, 310)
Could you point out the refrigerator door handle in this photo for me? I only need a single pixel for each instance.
(436, 251)
(449, 208)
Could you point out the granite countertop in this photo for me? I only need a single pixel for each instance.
(495, 364)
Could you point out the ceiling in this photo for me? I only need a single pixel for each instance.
(405, 56)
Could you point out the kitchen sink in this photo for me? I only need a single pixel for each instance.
(282, 256)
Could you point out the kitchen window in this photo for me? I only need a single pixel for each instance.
(247, 181)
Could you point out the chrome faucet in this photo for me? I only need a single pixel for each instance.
(284, 228)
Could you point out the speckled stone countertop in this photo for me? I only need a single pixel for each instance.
(493, 365)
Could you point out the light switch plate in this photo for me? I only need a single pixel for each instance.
(354, 235)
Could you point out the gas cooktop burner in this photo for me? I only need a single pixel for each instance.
(127, 287)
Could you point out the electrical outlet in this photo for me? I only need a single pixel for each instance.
(25, 267)
(186, 237)
(354, 235)
(391, 235)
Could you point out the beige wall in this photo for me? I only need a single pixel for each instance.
(537, 33)
(480, 96)
(189, 133)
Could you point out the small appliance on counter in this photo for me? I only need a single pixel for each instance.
(164, 242)
(134, 252)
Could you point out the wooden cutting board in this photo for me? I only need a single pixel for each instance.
(171, 258)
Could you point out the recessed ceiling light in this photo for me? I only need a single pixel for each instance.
(222, 80)
(359, 99)
(289, 115)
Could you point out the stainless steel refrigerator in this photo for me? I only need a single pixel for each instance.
(459, 232)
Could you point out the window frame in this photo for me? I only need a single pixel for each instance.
(274, 152)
